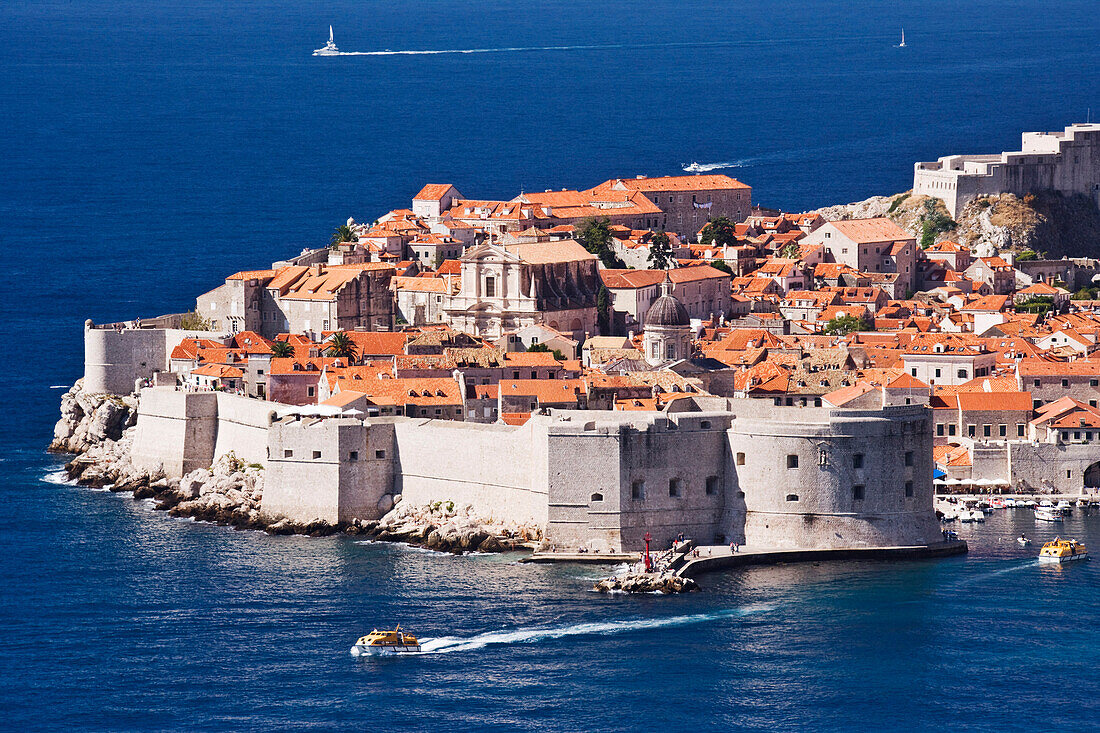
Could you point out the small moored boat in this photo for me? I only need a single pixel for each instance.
(386, 642)
(1060, 550)
(1047, 514)
(1023, 541)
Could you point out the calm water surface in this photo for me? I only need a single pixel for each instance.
(149, 148)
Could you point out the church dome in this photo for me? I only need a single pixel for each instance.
(667, 311)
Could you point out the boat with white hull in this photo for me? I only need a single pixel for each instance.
(329, 49)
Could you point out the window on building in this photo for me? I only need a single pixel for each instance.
(311, 391)
(490, 287)
(1065, 382)
(740, 459)
(1094, 382)
(712, 485)
(596, 497)
(913, 371)
(792, 461)
(987, 431)
(792, 497)
(857, 460)
(908, 488)
(908, 458)
(637, 491)
(1036, 383)
(674, 487)
(952, 429)
(1020, 430)
(316, 454)
(288, 454)
(353, 455)
(971, 430)
(939, 429)
(857, 492)
(379, 454)
(1002, 430)
(962, 374)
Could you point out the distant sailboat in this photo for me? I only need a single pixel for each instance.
(329, 48)
(902, 44)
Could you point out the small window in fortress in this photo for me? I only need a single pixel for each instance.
(597, 497)
(353, 455)
(712, 485)
(909, 488)
(379, 454)
(316, 454)
(792, 461)
(637, 491)
(857, 492)
(740, 459)
(792, 497)
(857, 460)
(704, 425)
(288, 454)
(674, 487)
(908, 458)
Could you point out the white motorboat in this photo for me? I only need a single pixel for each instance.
(694, 167)
(1082, 503)
(1046, 503)
(1010, 504)
(965, 516)
(329, 49)
(1065, 507)
(1047, 514)
(1023, 541)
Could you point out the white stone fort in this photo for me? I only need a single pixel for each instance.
(719, 470)
(1067, 162)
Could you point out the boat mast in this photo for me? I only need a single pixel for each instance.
(330, 35)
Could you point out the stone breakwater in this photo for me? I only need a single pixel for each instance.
(100, 429)
(646, 583)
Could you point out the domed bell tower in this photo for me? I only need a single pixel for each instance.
(667, 334)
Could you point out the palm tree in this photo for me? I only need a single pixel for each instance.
(282, 350)
(340, 344)
(342, 234)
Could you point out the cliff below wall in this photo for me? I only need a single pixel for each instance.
(1044, 222)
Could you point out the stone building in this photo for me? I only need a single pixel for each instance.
(505, 288)
(870, 245)
(1066, 161)
(687, 203)
(302, 299)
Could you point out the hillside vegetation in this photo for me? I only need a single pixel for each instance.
(1045, 222)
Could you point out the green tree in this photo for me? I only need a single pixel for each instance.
(1025, 255)
(1038, 304)
(660, 251)
(719, 231)
(340, 344)
(1084, 294)
(192, 321)
(603, 310)
(843, 325)
(544, 349)
(594, 235)
(790, 251)
(933, 222)
(721, 265)
(342, 234)
(282, 350)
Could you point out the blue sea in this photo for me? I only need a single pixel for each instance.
(148, 148)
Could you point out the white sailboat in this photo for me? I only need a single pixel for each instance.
(902, 44)
(329, 48)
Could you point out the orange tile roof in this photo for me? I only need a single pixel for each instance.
(711, 182)
(432, 192)
(865, 231)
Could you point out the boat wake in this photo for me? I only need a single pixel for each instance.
(531, 49)
(447, 644)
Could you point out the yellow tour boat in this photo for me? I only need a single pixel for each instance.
(386, 642)
(1063, 551)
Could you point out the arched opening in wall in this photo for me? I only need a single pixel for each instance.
(596, 497)
(792, 497)
(1092, 476)
(576, 325)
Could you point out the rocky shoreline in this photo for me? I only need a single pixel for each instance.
(99, 429)
(646, 583)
